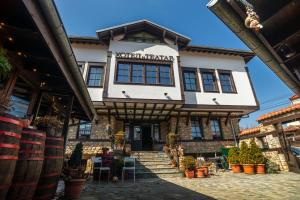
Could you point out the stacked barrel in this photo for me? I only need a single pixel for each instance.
(29, 165)
(54, 151)
(10, 134)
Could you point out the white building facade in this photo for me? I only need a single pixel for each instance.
(146, 80)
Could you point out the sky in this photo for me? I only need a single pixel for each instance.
(188, 17)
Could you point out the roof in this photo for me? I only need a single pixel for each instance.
(277, 42)
(279, 112)
(247, 55)
(292, 128)
(250, 131)
(256, 130)
(107, 33)
(84, 39)
(294, 97)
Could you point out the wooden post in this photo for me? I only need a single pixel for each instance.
(67, 118)
(10, 84)
(177, 122)
(280, 133)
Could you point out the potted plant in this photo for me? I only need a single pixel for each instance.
(189, 165)
(5, 66)
(50, 124)
(74, 175)
(200, 171)
(260, 160)
(171, 139)
(234, 159)
(246, 159)
(119, 139)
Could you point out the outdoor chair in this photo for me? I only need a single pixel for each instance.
(97, 164)
(131, 162)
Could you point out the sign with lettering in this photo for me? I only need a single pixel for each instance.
(144, 57)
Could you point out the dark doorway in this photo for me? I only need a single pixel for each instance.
(146, 138)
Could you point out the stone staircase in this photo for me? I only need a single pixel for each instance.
(154, 164)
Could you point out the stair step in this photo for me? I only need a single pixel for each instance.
(158, 170)
(160, 175)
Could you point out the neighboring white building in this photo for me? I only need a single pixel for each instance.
(146, 79)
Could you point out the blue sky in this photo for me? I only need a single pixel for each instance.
(187, 17)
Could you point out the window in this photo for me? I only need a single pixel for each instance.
(123, 72)
(226, 81)
(190, 80)
(95, 76)
(215, 128)
(156, 132)
(151, 74)
(139, 73)
(196, 128)
(84, 130)
(209, 81)
(164, 75)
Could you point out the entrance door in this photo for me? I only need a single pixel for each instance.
(137, 138)
(146, 138)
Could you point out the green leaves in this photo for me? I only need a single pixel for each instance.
(234, 155)
(5, 66)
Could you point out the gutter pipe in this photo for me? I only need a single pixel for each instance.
(51, 14)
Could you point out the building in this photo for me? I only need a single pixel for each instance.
(148, 81)
(275, 39)
(277, 134)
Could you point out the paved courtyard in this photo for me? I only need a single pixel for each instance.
(224, 186)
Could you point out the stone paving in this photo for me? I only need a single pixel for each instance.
(223, 186)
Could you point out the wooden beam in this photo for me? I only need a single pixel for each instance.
(169, 113)
(117, 112)
(285, 40)
(152, 111)
(134, 111)
(125, 108)
(227, 118)
(143, 111)
(188, 118)
(208, 118)
(161, 110)
(177, 122)
(109, 116)
(67, 119)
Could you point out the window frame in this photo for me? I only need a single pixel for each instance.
(215, 80)
(93, 64)
(220, 127)
(144, 63)
(86, 136)
(199, 119)
(220, 71)
(196, 71)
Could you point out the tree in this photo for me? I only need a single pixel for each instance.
(234, 155)
(244, 153)
(75, 160)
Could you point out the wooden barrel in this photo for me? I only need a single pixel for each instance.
(10, 134)
(29, 165)
(54, 157)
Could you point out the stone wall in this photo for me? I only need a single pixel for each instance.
(199, 147)
(208, 145)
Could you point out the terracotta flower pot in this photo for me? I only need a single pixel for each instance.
(236, 168)
(248, 168)
(200, 173)
(189, 174)
(73, 188)
(205, 170)
(260, 169)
